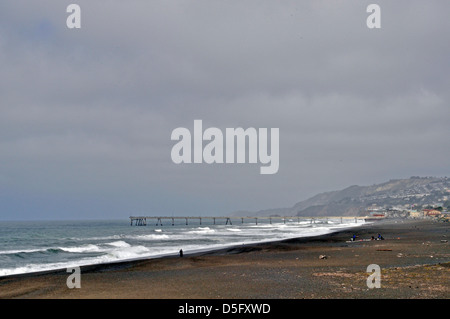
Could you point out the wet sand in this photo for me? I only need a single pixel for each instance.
(414, 259)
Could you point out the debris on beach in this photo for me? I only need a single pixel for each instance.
(323, 257)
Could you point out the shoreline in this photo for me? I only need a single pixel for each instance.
(116, 264)
(413, 257)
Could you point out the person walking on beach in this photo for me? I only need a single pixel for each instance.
(181, 252)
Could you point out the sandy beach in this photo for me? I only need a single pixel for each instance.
(414, 259)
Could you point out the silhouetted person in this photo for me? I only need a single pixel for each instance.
(181, 252)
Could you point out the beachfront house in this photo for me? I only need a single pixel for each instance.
(415, 214)
(431, 213)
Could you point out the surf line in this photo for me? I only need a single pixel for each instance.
(190, 149)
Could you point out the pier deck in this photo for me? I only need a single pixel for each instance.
(142, 220)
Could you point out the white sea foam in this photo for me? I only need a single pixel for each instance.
(151, 237)
(202, 230)
(19, 251)
(129, 252)
(261, 225)
(119, 243)
(31, 268)
(81, 249)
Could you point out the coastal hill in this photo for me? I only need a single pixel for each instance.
(415, 193)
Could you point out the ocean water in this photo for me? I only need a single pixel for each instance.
(34, 246)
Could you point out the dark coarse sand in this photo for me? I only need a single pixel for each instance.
(414, 259)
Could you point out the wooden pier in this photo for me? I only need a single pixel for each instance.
(228, 220)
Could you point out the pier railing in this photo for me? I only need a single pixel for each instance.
(228, 220)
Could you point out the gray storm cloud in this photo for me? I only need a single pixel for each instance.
(86, 115)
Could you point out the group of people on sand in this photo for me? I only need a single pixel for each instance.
(379, 237)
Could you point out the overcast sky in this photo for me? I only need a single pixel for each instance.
(86, 114)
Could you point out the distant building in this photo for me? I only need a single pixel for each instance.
(431, 212)
(415, 214)
(445, 215)
(376, 213)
